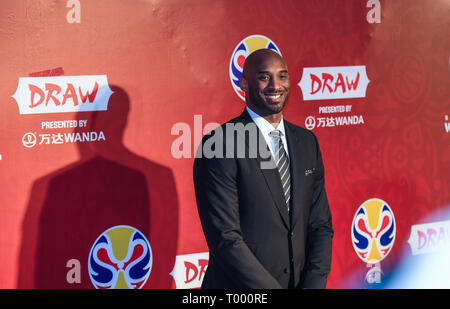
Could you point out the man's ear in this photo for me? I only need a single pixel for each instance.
(243, 84)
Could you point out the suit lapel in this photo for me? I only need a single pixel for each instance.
(297, 160)
(271, 175)
(273, 182)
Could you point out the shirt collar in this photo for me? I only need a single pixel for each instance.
(264, 125)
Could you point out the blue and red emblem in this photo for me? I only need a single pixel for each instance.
(241, 52)
(121, 258)
(373, 230)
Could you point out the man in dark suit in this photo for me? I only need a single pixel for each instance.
(263, 208)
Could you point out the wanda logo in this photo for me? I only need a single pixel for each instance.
(62, 94)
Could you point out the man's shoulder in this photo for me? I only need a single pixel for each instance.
(222, 128)
(229, 136)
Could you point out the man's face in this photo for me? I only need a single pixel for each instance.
(266, 83)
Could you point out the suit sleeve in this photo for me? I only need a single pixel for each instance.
(216, 190)
(320, 232)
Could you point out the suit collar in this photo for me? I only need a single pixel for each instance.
(296, 147)
(265, 126)
(271, 175)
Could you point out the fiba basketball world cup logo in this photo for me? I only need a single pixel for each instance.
(121, 258)
(241, 52)
(373, 235)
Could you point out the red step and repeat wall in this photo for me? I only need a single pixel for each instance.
(104, 102)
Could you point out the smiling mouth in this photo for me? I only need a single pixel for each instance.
(273, 96)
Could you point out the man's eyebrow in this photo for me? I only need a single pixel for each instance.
(267, 72)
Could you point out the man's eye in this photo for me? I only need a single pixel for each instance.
(263, 77)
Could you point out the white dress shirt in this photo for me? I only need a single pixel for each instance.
(266, 127)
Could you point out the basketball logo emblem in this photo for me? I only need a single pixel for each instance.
(373, 230)
(241, 52)
(121, 258)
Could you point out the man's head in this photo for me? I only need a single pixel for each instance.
(265, 81)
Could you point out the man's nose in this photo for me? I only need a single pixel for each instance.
(274, 83)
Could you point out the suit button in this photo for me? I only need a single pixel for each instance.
(286, 270)
(292, 234)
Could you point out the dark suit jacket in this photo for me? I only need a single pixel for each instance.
(254, 241)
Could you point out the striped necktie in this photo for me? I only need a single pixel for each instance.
(282, 164)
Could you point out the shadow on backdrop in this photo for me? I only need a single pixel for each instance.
(69, 208)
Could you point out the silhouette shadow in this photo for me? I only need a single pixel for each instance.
(69, 208)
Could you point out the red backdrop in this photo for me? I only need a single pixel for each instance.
(165, 62)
